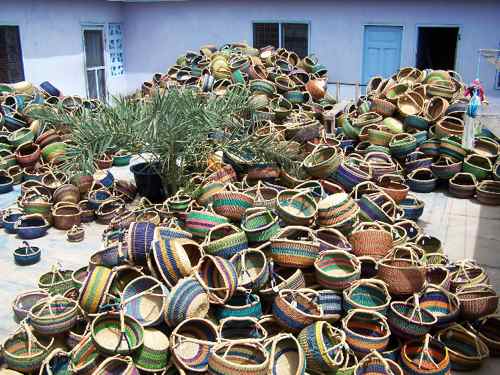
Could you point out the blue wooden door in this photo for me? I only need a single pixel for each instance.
(382, 51)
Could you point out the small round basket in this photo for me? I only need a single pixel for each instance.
(371, 239)
(56, 281)
(25, 301)
(425, 356)
(477, 301)
(296, 207)
(408, 320)
(95, 288)
(84, 357)
(375, 364)
(218, 277)
(260, 226)
(231, 241)
(286, 355)
(252, 268)
(296, 309)
(116, 365)
(367, 294)
(295, 246)
(27, 255)
(232, 203)
(54, 315)
(154, 354)
(444, 305)
(337, 269)
(231, 358)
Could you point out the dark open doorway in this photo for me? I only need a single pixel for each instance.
(437, 47)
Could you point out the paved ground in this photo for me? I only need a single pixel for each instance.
(467, 229)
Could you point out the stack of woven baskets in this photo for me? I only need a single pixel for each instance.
(262, 269)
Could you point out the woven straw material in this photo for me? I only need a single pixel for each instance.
(57, 362)
(286, 355)
(240, 305)
(186, 300)
(370, 240)
(111, 336)
(402, 276)
(144, 299)
(168, 233)
(370, 294)
(425, 356)
(288, 249)
(76, 334)
(54, 315)
(198, 223)
(232, 204)
(139, 237)
(295, 310)
(336, 209)
(462, 185)
(365, 331)
(445, 167)
(466, 350)
(296, 207)
(244, 358)
(375, 364)
(283, 278)
(383, 107)
(191, 343)
(56, 282)
(479, 166)
(409, 321)
(205, 194)
(323, 161)
(412, 207)
(336, 269)
(241, 329)
(154, 354)
(330, 302)
(218, 276)
(488, 192)
(117, 366)
(452, 147)
(94, 290)
(440, 303)
(223, 175)
(488, 330)
(232, 241)
(175, 259)
(252, 269)
(260, 226)
(477, 302)
(84, 358)
(322, 345)
(25, 301)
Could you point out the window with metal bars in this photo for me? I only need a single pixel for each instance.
(11, 57)
(293, 36)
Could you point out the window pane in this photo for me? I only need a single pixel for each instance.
(94, 55)
(295, 37)
(265, 34)
(91, 84)
(11, 59)
(102, 84)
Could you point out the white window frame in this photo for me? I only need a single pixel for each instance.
(280, 33)
(102, 29)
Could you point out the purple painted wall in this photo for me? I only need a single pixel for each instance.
(159, 32)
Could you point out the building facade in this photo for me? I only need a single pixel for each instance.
(100, 47)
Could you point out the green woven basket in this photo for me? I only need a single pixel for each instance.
(56, 281)
(260, 226)
(154, 354)
(231, 240)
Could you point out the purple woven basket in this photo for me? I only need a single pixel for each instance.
(139, 238)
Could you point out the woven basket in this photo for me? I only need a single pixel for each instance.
(295, 246)
(25, 301)
(477, 301)
(95, 288)
(23, 352)
(123, 275)
(375, 364)
(448, 126)
(188, 299)
(467, 274)
(435, 108)
(444, 305)
(366, 331)
(467, 351)
(332, 239)
(56, 281)
(479, 166)
(349, 174)
(280, 279)
(171, 232)
(425, 356)
(154, 354)
(252, 268)
(323, 161)
(452, 147)
(205, 193)
(84, 357)
(191, 344)
(218, 277)
(241, 304)
(260, 226)
(76, 334)
(394, 186)
(139, 237)
(422, 180)
(445, 167)
(379, 207)
(412, 207)
(286, 355)
(116, 365)
(65, 215)
(402, 144)
(232, 203)
(488, 330)
(371, 239)
(383, 107)
(116, 333)
(367, 294)
(245, 358)
(462, 185)
(53, 315)
(58, 361)
(241, 329)
(488, 192)
(322, 345)
(336, 209)
(295, 309)
(264, 196)
(230, 241)
(408, 320)
(144, 299)
(402, 276)
(336, 269)
(198, 223)
(296, 207)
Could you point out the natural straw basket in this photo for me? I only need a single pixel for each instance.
(252, 268)
(367, 294)
(286, 355)
(365, 331)
(281, 278)
(425, 356)
(232, 203)
(245, 358)
(25, 301)
(336, 269)
(56, 281)
(295, 309)
(296, 207)
(336, 209)
(488, 330)
(242, 304)
(116, 365)
(322, 344)
(188, 299)
(477, 301)
(371, 239)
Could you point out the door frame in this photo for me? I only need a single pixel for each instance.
(390, 24)
(100, 27)
(442, 25)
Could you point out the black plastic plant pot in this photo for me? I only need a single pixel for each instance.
(148, 182)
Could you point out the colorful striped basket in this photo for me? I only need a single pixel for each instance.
(123, 275)
(116, 333)
(241, 304)
(467, 351)
(57, 362)
(478, 165)
(323, 161)
(206, 192)
(417, 160)
(231, 358)
(375, 364)
(322, 344)
(466, 273)
(422, 180)
(76, 334)
(188, 299)
(349, 362)
(295, 309)
(462, 185)
(252, 268)
(425, 356)
(413, 207)
(367, 294)
(281, 278)
(332, 239)
(260, 226)
(173, 259)
(25, 301)
(232, 203)
(241, 329)
(153, 356)
(336, 209)
(452, 147)
(199, 222)
(371, 239)
(402, 144)
(56, 281)
(144, 299)
(349, 174)
(228, 240)
(330, 302)
(139, 237)
(365, 331)
(264, 196)
(117, 365)
(84, 357)
(218, 277)
(296, 207)
(170, 233)
(95, 288)
(294, 246)
(477, 301)
(444, 305)
(408, 320)
(23, 352)
(191, 344)
(445, 167)
(336, 269)
(53, 315)
(286, 355)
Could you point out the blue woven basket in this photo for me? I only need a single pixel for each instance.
(422, 180)
(239, 305)
(139, 238)
(27, 255)
(412, 207)
(409, 321)
(186, 300)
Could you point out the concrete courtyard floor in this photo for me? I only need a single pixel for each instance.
(466, 228)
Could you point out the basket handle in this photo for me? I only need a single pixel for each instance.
(353, 312)
(376, 282)
(257, 326)
(379, 356)
(208, 238)
(425, 350)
